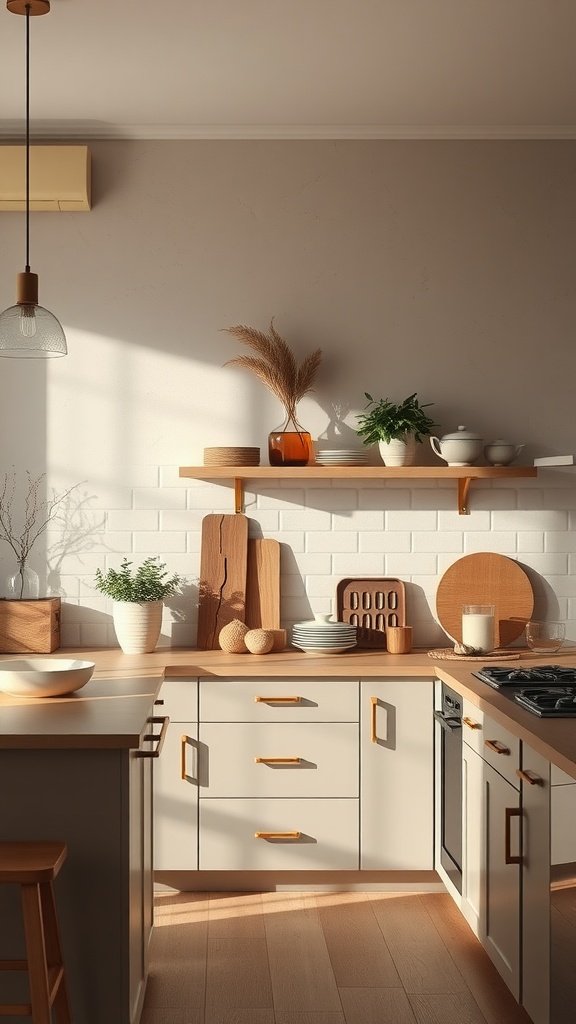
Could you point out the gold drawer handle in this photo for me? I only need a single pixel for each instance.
(497, 746)
(471, 723)
(277, 835)
(183, 741)
(278, 700)
(373, 735)
(530, 777)
(277, 760)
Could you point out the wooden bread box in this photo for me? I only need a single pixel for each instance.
(30, 627)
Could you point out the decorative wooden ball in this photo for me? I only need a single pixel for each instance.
(259, 641)
(231, 637)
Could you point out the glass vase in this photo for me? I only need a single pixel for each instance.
(289, 445)
(23, 585)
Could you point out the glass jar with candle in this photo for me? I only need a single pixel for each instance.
(478, 627)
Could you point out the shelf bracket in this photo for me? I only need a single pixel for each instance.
(238, 494)
(463, 488)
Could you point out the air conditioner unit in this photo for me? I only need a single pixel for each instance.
(59, 178)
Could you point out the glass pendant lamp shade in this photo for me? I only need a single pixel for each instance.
(27, 330)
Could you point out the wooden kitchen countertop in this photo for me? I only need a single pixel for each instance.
(111, 710)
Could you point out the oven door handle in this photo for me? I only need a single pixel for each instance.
(448, 722)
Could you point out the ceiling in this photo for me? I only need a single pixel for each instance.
(303, 69)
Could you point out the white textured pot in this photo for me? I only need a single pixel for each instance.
(137, 625)
(398, 451)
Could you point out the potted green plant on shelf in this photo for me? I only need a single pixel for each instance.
(137, 597)
(396, 429)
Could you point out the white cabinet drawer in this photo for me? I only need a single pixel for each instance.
(312, 760)
(563, 832)
(278, 700)
(492, 741)
(312, 834)
(180, 698)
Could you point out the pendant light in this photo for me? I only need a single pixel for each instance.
(27, 329)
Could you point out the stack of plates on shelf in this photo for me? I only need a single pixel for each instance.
(231, 456)
(341, 457)
(321, 636)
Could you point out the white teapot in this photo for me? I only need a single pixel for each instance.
(461, 448)
(501, 453)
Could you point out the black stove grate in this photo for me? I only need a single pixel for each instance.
(551, 702)
(549, 675)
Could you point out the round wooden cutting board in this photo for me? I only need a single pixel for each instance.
(486, 578)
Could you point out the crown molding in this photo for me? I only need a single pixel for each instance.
(106, 130)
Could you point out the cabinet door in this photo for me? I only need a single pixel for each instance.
(140, 882)
(397, 775)
(472, 837)
(176, 800)
(536, 793)
(500, 915)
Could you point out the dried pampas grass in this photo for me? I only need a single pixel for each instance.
(275, 365)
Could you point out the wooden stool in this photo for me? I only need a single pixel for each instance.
(34, 866)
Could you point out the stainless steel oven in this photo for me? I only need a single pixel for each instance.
(449, 718)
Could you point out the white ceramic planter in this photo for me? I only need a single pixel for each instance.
(398, 452)
(137, 625)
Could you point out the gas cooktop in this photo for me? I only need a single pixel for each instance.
(499, 676)
(545, 690)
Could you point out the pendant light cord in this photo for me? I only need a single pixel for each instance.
(27, 138)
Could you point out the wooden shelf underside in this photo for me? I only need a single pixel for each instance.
(464, 475)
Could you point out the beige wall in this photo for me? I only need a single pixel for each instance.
(446, 268)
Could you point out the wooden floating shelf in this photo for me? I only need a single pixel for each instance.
(464, 475)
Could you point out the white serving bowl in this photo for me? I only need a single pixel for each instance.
(43, 677)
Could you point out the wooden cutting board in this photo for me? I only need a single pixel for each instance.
(222, 585)
(263, 584)
(486, 578)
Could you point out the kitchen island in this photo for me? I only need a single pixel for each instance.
(78, 769)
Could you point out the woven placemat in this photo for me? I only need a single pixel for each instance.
(448, 654)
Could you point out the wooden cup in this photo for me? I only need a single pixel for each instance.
(399, 639)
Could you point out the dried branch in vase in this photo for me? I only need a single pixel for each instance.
(276, 366)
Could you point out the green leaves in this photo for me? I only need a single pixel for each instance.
(386, 420)
(147, 583)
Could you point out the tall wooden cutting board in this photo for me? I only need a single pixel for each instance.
(486, 578)
(223, 560)
(263, 584)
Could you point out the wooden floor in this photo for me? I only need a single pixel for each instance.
(320, 958)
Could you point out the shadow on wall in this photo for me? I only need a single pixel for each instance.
(93, 628)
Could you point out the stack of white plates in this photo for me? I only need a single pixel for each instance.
(341, 457)
(324, 637)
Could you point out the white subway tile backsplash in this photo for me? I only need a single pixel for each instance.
(133, 520)
(504, 543)
(307, 519)
(407, 565)
(159, 498)
(358, 520)
(334, 541)
(384, 498)
(475, 521)
(328, 531)
(358, 565)
(159, 543)
(413, 520)
(382, 542)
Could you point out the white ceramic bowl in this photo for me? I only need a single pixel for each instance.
(43, 677)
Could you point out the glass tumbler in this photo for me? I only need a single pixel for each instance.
(545, 637)
(478, 627)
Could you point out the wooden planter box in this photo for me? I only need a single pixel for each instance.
(30, 627)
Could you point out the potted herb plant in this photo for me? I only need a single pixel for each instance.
(137, 597)
(395, 428)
